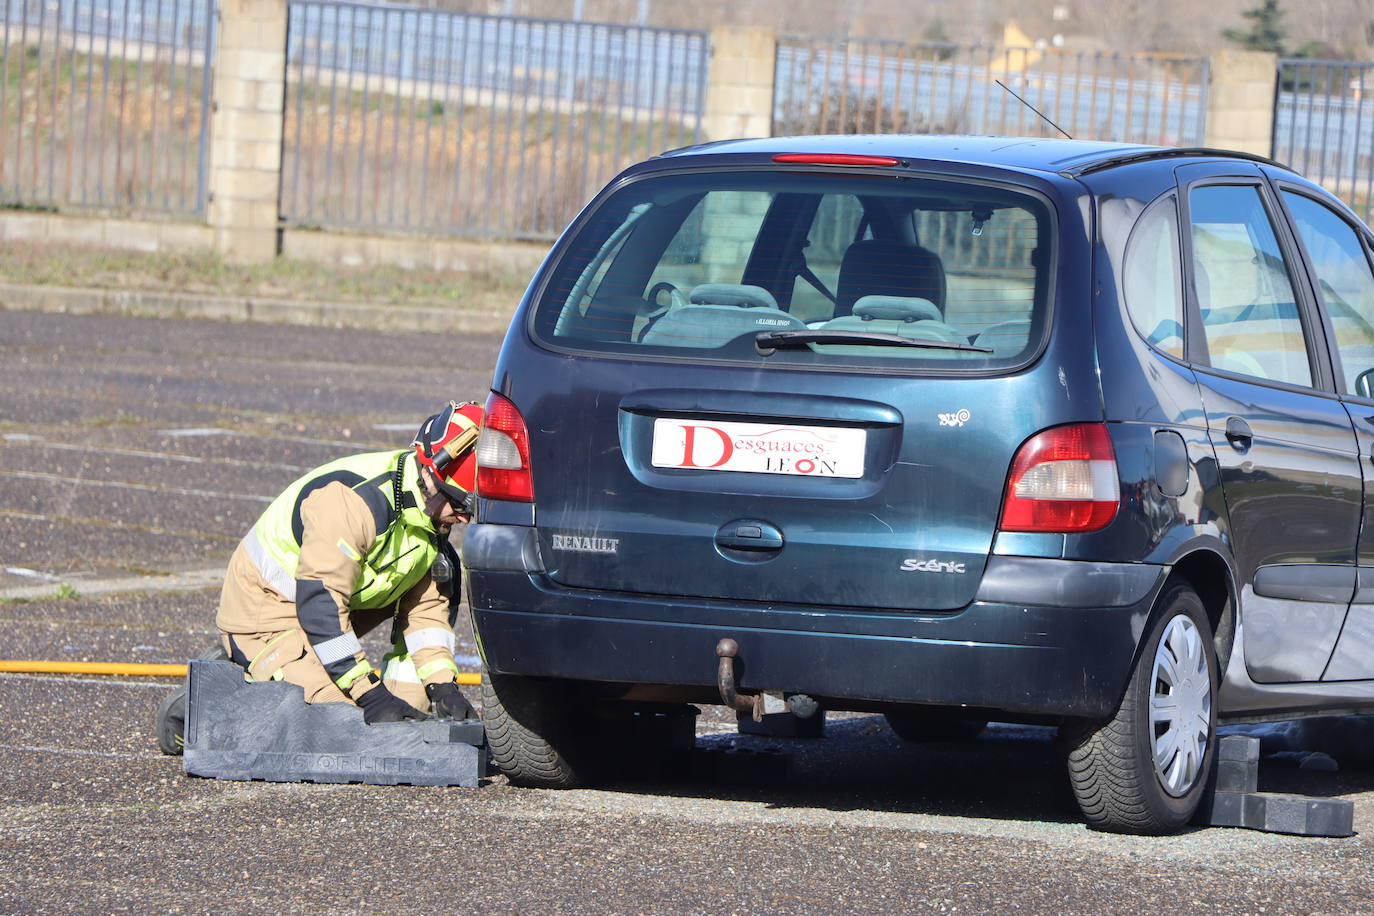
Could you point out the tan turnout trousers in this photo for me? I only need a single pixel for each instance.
(285, 655)
(260, 629)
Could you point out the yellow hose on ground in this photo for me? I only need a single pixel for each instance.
(14, 666)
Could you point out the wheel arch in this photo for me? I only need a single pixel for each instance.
(1208, 572)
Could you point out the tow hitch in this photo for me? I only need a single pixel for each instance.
(760, 704)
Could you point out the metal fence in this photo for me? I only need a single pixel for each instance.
(829, 85)
(1324, 126)
(416, 119)
(105, 104)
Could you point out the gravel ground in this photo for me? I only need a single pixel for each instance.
(161, 439)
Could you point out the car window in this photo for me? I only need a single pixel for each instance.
(1153, 283)
(711, 242)
(705, 261)
(1344, 281)
(988, 267)
(838, 223)
(1249, 311)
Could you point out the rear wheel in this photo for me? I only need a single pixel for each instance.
(531, 730)
(932, 725)
(1144, 771)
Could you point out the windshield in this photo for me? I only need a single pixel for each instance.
(699, 265)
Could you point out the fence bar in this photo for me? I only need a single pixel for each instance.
(1324, 126)
(4, 95)
(947, 88)
(550, 110)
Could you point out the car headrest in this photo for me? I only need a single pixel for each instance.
(896, 308)
(887, 267)
(739, 294)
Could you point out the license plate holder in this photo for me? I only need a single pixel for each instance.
(759, 448)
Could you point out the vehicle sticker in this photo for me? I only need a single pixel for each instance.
(758, 448)
(958, 418)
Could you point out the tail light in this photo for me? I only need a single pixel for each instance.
(503, 454)
(1063, 480)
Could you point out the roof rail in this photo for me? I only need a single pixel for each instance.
(1111, 162)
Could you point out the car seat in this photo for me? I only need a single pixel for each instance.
(716, 314)
(881, 267)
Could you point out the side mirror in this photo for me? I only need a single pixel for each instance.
(1364, 384)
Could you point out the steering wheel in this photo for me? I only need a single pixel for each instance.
(675, 297)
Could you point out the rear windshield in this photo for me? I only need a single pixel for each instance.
(793, 268)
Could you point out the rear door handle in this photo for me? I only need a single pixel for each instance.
(1238, 433)
(749, 534)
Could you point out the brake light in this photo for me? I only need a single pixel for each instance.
(503, 454)
(834, 159)
(1063, 480)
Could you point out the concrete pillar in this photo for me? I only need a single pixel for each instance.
(739, 91)
(1240, 101)
(246, 129)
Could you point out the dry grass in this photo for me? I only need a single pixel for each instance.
(78, 128)
(423, 163)
(33, 263)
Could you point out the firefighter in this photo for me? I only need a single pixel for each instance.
(350, 545)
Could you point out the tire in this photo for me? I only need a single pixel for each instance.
(1122, 783)
(530, 731)
(920, 725)
(171, 722)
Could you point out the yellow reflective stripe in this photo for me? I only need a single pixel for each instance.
(349, 551)
(276, 675)
(353, 674)
(400, 668)
(439, 664)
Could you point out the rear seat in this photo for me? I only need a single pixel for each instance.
(891, 268)
(716, 315)
(905, 317)
(1006, 338)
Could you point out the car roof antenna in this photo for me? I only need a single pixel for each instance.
(1033, 108)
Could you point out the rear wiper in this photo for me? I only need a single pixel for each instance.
(769, 341)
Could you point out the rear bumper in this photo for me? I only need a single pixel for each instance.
(1065, 659)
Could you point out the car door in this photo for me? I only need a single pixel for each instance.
(1284, 445)
(1338, 258)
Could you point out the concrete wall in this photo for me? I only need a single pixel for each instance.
(739, 90)
(246, 127)
(341, 248)
(107, 232)
(1240, 101)
(349, 250)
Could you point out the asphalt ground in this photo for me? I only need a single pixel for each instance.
(133, 455)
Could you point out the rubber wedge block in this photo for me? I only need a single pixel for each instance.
(266, 731)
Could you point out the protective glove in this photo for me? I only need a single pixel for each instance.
(381, 705)
(448, 701)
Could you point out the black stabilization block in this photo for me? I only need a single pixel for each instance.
(1235, 803)
(1299, 814)
(242, 731)
(1237, 764)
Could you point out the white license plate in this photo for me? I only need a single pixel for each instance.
(758, 448)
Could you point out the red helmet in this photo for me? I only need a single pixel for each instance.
(446, 445)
